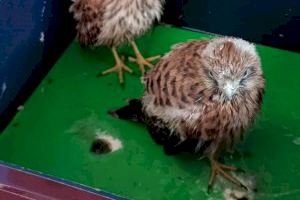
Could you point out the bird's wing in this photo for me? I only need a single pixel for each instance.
(170, 140)
(174, 81)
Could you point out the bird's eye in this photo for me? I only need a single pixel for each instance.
(246, 73)
(210, 74)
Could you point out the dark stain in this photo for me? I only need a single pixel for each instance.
(50, 80)
(247, 154)
(243, 198)
(99, 74)
(100, 146)
(16, 124)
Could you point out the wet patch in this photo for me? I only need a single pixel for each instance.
(49, 80)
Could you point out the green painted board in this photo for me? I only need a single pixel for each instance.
(54, 131)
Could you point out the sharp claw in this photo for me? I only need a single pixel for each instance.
(142, 62)
(149, 65)
(219, 169)
(153, 58)
(127, 69)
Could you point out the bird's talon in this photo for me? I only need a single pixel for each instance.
(127, 69)
(227, 167)
(219, 169)
(131, 59)
(149, 65)
(153, 58)
(140, 60)
(119, 67)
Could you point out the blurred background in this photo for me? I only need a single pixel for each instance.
(34, 33)
(272, 23)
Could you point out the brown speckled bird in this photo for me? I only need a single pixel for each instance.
(115, 22)
(204, 92)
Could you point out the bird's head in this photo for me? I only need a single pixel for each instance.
(231, 67)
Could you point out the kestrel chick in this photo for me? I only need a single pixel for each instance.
(203, 91)
(115, 22)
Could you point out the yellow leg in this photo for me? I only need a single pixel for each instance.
(220, 169)
(140, 60)
(119, 66)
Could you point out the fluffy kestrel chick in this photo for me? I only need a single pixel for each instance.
(203, 91)
(114, 22)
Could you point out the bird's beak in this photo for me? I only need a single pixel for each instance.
(230, 88)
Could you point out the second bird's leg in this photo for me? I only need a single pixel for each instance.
(221, 169)
(140, 60)
(119, 66)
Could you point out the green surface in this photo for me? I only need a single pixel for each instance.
(54, 131)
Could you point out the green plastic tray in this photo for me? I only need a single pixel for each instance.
(54, 131)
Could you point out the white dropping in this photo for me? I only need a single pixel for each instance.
(3, 89)
(42, 37)
(115, 143)
(20, 107)
(296, 141)
(43, 9)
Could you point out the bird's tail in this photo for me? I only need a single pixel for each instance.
(133, 111)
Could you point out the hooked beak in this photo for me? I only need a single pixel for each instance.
(230, 89)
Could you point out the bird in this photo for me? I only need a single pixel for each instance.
(113, 23)
(201, 98)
